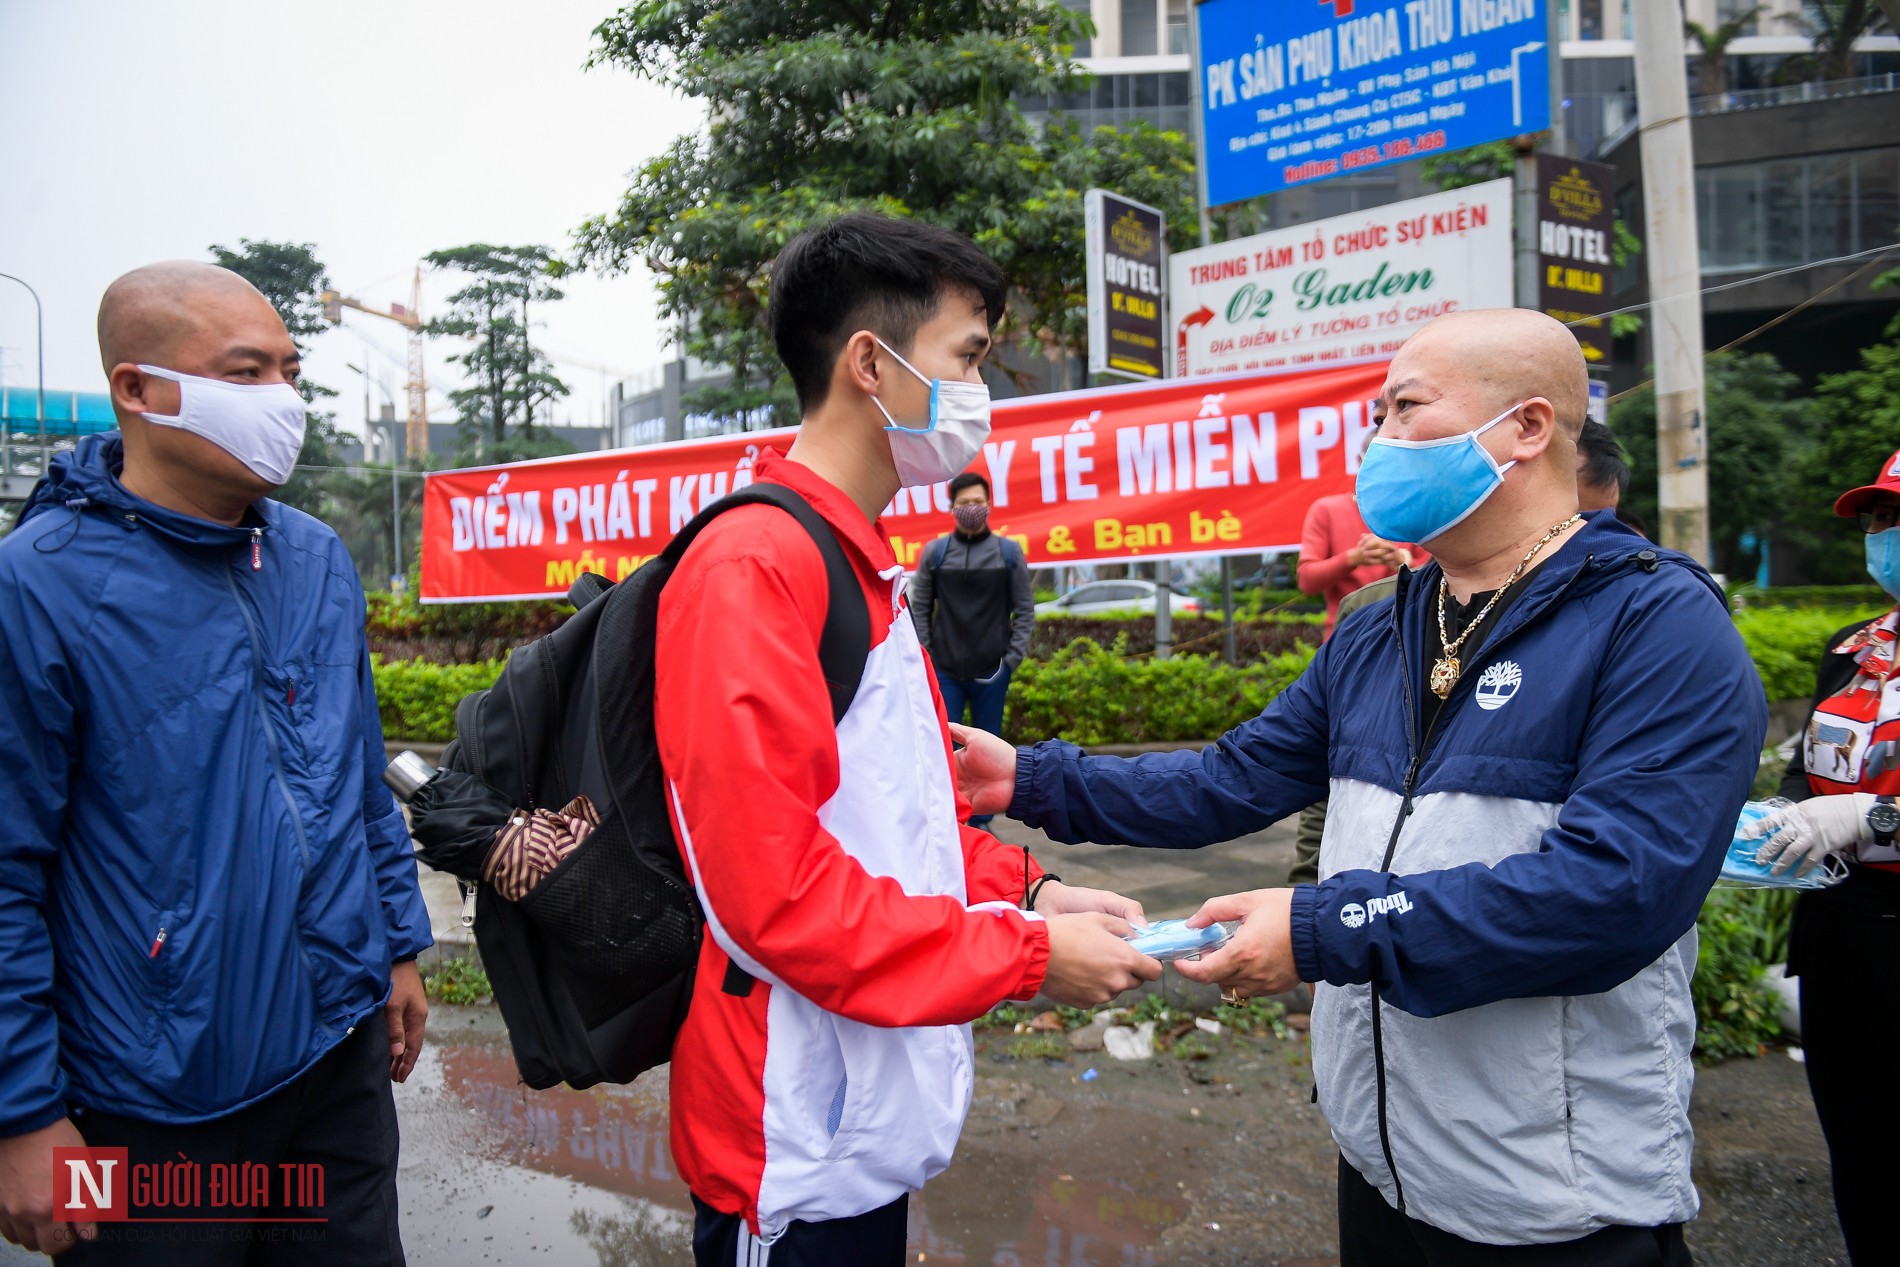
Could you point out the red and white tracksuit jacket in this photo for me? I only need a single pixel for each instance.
(832, 867)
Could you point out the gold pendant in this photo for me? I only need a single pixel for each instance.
(1444, 676)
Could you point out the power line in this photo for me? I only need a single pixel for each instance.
(1776, 320)
(1746, 281)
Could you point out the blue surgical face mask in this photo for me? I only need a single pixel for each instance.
(1413, 490)
(1883, 560)
(1749, 862)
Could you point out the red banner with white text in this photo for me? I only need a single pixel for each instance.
(1225, 464)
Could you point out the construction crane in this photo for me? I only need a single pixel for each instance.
(417, 428)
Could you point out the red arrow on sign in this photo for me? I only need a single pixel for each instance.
(1199, 317)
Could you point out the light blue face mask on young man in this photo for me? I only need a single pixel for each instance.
(1413, 490)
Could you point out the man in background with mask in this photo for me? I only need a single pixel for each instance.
(975, 610)
(1536, 752)
(209, 912)
(854, 928)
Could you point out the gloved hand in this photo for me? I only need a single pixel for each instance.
(1807, 832)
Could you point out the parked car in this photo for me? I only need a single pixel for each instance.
(1097, 597)
(1274, 574)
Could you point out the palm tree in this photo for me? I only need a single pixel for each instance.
(1833, 27)
(1712, 60)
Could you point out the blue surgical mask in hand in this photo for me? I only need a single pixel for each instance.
(1172, 939)
(1751, 855)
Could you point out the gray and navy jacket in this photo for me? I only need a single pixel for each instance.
(1505, 921)
(968, 634)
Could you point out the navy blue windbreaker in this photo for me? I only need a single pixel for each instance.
(1505, 923)
(203, 881)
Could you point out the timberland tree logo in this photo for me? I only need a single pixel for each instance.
(1353, 915)
(1498, 684)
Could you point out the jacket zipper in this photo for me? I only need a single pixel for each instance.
(276, 755)
(257, 549)
(158, 944)
(1422, 746)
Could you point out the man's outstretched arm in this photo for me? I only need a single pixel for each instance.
(1254, 775)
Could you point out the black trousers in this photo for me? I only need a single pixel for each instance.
(339, 1116)
(1850, 1029)
(1373, 1234)
(875, 1239)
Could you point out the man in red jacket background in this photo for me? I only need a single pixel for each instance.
(827, 1078)
(1339, 555)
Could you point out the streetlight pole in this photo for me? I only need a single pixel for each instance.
(395, 512)
(383, 440)
(39, 347)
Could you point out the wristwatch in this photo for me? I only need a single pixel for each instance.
(1884, 818)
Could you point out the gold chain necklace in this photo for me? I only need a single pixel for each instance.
(1445, 671)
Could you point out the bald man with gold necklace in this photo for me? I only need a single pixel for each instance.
(1533, 753)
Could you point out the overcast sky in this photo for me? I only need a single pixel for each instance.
(378, 130)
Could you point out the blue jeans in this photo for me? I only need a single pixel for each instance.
(984, 699)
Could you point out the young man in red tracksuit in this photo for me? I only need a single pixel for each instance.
(830, 863)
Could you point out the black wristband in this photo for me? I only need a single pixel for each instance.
(1029, 900)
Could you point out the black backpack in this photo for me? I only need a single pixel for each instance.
(593, 970)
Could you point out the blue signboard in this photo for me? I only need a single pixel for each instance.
(1294, 91)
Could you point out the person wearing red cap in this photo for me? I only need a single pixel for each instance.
(1845, 940)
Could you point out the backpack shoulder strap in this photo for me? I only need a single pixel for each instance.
(845, 643)
(934, 556)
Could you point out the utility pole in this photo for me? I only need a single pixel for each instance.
(1673, 258)
(1164, 602)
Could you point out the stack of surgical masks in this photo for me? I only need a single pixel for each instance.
(1749, 859)
(1172, 939)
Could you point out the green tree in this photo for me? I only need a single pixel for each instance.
(510, 381)
(1860, 413)
(1712, 49)
(290, 275)
(834, 105)
(1833, 27)
(1455, 169)
(1760, 426)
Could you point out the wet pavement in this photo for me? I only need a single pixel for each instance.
(1146, 1164)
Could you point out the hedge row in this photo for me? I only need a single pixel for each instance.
(417, 698)
(1090, 693)
(400, 628)
(1848, 596)
(1253, 639)
(1787, 642)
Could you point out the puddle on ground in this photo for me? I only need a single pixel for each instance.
(493, 1169)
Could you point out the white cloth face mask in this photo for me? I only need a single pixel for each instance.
(259, 424)
(959, 424)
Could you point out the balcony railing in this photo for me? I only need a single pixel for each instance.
(1769, 98)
